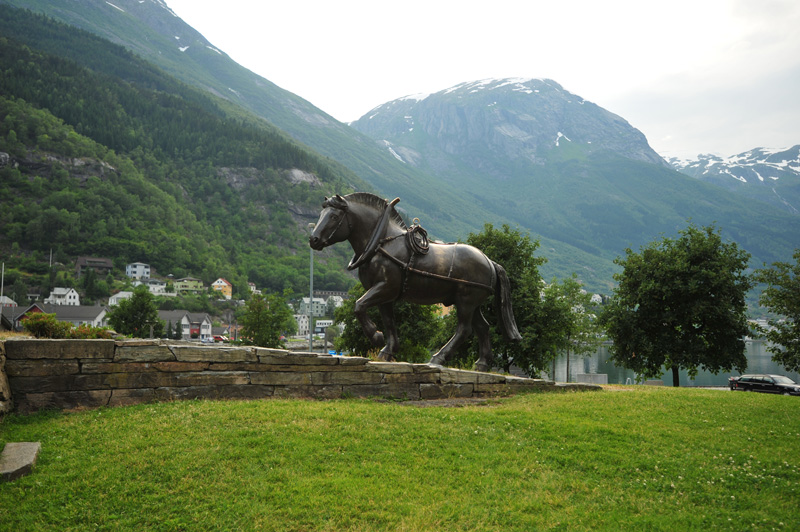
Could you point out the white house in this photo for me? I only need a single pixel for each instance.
(137, 270)
(302, 324)
(63, 296)
(74, 314)
(6, 301)
(337, 301)
(155, 286)
(172, 318)
(114, 300)
(200, 325)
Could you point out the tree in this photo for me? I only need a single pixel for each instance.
(266, 319)
(135, 316)
(515, 253)
(417, 328)
(680, 304)
(570, 319)
(782, 296)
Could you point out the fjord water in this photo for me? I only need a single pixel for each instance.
(759, 360)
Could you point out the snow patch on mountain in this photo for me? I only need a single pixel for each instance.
(391, 150)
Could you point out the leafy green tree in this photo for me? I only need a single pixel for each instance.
(417, 326)
(20, 292)
(178, 331)
(782, 296)
(266, 319)
(680, 304)
(168, 332)
(571, 321)
(515, 252)
(135, 316)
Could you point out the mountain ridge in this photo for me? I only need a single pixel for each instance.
(768, 175)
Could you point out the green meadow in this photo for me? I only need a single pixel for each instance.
(626, 458)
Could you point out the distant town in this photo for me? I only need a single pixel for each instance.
(206, 327)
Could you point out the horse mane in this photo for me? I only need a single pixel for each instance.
(378, 203)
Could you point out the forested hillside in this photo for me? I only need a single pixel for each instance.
(111, 157)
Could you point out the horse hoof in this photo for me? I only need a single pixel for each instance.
(482, 366)
(436, 360)
(385, 357)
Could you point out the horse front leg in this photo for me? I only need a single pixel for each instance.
(390, 333)
(376, 295)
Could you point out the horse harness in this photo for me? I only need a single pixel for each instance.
(417, 242)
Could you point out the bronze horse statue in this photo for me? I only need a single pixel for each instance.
(396, 262)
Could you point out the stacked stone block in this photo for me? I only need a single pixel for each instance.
(66, 374)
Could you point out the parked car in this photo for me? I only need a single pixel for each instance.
(765, 383)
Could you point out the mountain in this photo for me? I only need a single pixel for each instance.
(151, 30)
(566, 169)
(105, 155)
(523, 152)
(771, 176)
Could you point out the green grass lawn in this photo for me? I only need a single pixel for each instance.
(634, 458)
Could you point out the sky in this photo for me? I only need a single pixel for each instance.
(695, 76)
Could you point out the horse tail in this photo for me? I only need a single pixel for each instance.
(502, 298)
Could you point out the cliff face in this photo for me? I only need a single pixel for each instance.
(507, 119)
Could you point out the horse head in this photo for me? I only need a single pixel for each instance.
(330, 228)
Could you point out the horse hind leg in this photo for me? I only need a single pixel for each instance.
(463, 330)
(481, 327)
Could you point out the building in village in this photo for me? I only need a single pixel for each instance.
(63, 296)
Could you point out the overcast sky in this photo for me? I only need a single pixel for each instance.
(695, 76)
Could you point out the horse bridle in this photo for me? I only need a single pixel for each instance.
(341, 220)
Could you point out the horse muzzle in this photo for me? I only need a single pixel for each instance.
(316, 243)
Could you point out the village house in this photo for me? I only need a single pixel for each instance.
(224, 287)
(114, 300)
(74, 314)
(101, 266)
(155, 286)
(318, 308)
(63, 296)
(138, 270)
(189, 285)
(302, 324)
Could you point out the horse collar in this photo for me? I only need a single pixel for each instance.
(375, 240)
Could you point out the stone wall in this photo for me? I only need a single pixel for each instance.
(65, 374)
(5, 390)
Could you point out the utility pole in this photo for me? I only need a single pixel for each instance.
(311, 295)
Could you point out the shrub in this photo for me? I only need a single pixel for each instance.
(43, 325)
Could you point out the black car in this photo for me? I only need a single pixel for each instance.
(765, 383)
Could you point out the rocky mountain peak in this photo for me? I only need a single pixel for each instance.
(515, 117)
